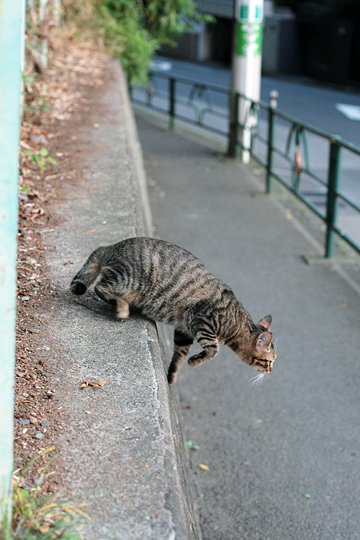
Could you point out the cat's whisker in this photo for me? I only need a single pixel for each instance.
(257, 379)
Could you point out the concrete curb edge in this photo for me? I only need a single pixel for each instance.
(161, 351)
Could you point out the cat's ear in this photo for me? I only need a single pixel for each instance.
(265, 322)
(263, 340)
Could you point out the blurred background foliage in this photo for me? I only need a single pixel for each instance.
(131, 29)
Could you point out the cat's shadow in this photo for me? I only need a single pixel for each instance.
(93, 303)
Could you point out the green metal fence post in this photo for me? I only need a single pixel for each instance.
(11, 47)
(233, 137)
(130, 89)
(149, 90)
(172, 102)
(332, 195)
(271, 131)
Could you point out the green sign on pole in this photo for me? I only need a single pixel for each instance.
(247, 34)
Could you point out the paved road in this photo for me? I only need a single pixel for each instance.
(312, 103)
(284, 457)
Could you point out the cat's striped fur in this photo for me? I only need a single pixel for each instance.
(167, 283)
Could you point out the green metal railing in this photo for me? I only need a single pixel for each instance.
(185, 100)
(304, 159)
(294, 149)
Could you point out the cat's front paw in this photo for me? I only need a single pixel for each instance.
(172, 377)
(196, 359)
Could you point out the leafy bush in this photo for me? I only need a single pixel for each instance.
(128, 40)
(132, 29)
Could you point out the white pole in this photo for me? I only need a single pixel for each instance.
(57, 12)
(43, 45)
(246, 65)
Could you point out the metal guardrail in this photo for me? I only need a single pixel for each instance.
(304, 159)
(186, 100)
(296, 147)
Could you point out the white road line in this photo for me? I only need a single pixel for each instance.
(351, 111)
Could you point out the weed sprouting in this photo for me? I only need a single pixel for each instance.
(41, 159)
(38, 515)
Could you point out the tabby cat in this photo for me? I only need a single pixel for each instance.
(167, 283)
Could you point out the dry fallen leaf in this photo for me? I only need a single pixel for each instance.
(93, 384)
(203, 467)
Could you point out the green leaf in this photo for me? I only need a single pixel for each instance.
(192, 446)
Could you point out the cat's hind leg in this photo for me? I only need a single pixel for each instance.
(105, 293)
(182, 344)
(122, 309)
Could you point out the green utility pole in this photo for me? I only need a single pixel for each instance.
(246, 73)
(12, 13)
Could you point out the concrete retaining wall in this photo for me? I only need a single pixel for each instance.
(122, 444)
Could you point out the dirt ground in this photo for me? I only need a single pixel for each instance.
(54, 103)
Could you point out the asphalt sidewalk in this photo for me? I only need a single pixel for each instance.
(283, 456)
(121, 445)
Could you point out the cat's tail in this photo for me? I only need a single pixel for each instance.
(88, 273)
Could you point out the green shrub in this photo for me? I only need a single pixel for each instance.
(135, 29)
(128, 40)
(131, 29)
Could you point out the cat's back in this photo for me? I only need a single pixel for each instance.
(165, 275)
(151, 255)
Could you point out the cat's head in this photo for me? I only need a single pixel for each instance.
(260, 351)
